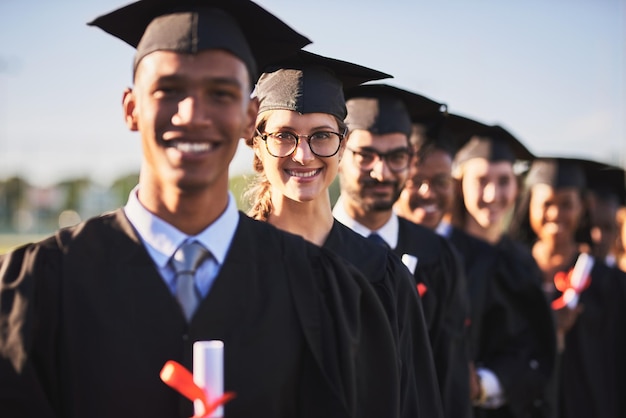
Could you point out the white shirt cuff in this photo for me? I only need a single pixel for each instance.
(492, 392)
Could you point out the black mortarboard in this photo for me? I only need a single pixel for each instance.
(239, 26)
(310, 83)
(447, 131)
(560, 172)
(383, 109)
(607, 181)
(493, 143)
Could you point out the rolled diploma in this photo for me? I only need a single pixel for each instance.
(208, 372)
(580, 276)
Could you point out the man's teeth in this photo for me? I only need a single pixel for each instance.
(429, 208)
(193, 146)
(303, 174)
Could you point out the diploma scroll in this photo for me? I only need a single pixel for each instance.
(205, 388)
(580, 277)
(573, 283)
(208, 373)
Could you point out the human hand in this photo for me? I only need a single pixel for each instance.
(475, 387)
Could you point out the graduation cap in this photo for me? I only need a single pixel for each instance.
(607, 182)
(239, 26)
(491, 142)
(560, 172)
(383, 109)
(310, 83)
(447, 131)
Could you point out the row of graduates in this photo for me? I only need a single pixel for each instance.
(551, 221)
(415, 321)
(511, 331)
(506, 340)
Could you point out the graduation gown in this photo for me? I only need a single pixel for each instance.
(511, 326)
(528, 387)
(87, 324)
(446, 310)
(396, 290)
(591, 369)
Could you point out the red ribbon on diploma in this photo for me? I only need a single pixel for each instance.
(176, 376)
(563, 282)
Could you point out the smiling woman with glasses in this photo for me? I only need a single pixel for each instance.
(299, 141)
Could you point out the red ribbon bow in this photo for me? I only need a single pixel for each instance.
(563, 282)
(176, 376)
(421, 289)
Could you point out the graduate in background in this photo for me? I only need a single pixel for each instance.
(552, 220)
(606, 193)
(90, 315)
(515, 377)
(427, 199)
(620, 245)
(371, 175)
(298, 143)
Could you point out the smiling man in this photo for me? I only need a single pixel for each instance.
(90, 315)
(372, 174)
(429, 191)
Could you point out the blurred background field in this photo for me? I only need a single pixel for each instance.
(29, 212)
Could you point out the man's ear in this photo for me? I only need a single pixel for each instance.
(128, 105)
(251, 114)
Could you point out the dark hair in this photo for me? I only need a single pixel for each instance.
(521, 230)
(258, 193)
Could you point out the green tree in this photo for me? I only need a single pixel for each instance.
(14, 192)
(122, 186)
(74, 189)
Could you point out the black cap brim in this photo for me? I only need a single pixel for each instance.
(268, 37)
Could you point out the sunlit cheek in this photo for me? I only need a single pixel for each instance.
(596, 234)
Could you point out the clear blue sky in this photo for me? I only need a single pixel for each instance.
(553, 72)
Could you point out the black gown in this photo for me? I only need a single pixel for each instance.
(395, 288)
(592, 372)
(446, 309)
(529, 386)
(86, 324)
(512, 331)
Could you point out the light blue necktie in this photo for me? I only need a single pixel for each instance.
(185, 262)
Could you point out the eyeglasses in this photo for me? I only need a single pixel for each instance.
(439, 183)
(397, 159)
(283, 144)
